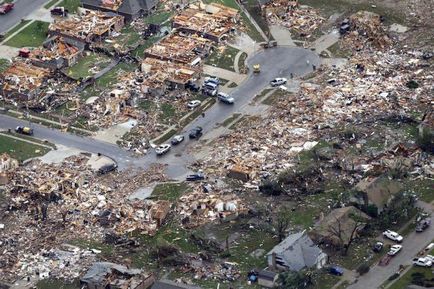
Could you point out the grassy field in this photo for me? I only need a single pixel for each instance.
(4, 64)
(71, 5)
(169, 191)
(407, 278)
(230, 119)
(20, 150)
(50, 4)
(274, 98)
(223, 59)
(31, 36)
(158, 17)
(82, 69)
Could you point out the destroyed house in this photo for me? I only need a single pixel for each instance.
(88, 27)
(165, 73)
(176, 48)
(376, 193)
(166, 284)
(58, 52)
(103, 275)
(337, 227)
(214, 21)
(23, 81)
(130, 9)
(296, 252)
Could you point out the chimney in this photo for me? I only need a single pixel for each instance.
(273, 262)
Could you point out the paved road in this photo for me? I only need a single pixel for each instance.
(275, 62)
(21, 10)
(412, 244)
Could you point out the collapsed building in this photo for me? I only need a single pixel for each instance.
(300, 18)
(109, 275)
(188, 50)
(130, 9)
(213, 21)
(58, 52)
(87, 27)
(23, 81)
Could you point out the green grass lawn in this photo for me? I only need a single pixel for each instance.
(16, 28)
(50, 4)
(82, 69)
(20, 150)
(230, 119)
(406, 279)
(4, 64)
(223, 60)
(255, 11)
(274, 98)
(31, 36)
(424, 188)
(169, 191)
(71, 5)
(242, 63)
(158, 17)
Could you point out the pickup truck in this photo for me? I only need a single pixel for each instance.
(6, 8)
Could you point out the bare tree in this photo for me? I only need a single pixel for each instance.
(281, 222)
(346, 231)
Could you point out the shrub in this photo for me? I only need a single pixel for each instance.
(363, 269)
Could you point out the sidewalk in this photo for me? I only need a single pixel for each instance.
(224, 73)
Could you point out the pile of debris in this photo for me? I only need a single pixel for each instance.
(300, 18)
(46, 202)
(7, 165)
(87, 27)
(212, 21)
(369, 85)
(197, 207)
(363, 30)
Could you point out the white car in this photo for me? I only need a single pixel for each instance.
(193, 103)
(394, 250)
(422, 262)
(278, 81)
(430, 257)
(162, 149)
(394, 236)
(225, 98)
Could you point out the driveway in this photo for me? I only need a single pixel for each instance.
(275, 62)
(412, 244)
(21, 10)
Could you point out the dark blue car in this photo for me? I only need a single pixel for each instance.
(336, 270)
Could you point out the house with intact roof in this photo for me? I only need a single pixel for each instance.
(296, 252)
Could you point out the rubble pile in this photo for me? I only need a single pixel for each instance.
(300, 18)
(366, 29)
(54, 203)
(368, 86)
(197, 208)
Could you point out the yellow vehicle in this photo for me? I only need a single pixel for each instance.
(256, 68)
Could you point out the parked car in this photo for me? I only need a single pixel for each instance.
(422, 262)
(24, 130)
(336, 270)
(393, 236)
(195, 177)
(429, 247)
(225, 98)
(209, 92)
(6, 8)
(177, 139)
(210, 79)
(162, 149)
(423, 224)
(278, 81)
(394, 250)
(195, 132)
(107, 168)
(430, 257)
(192, 86)
(193, 104)
(378, 247)
(60, 11)
(210, 86)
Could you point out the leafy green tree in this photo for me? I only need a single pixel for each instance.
(296, 280)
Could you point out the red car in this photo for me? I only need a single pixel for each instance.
(6, 7)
